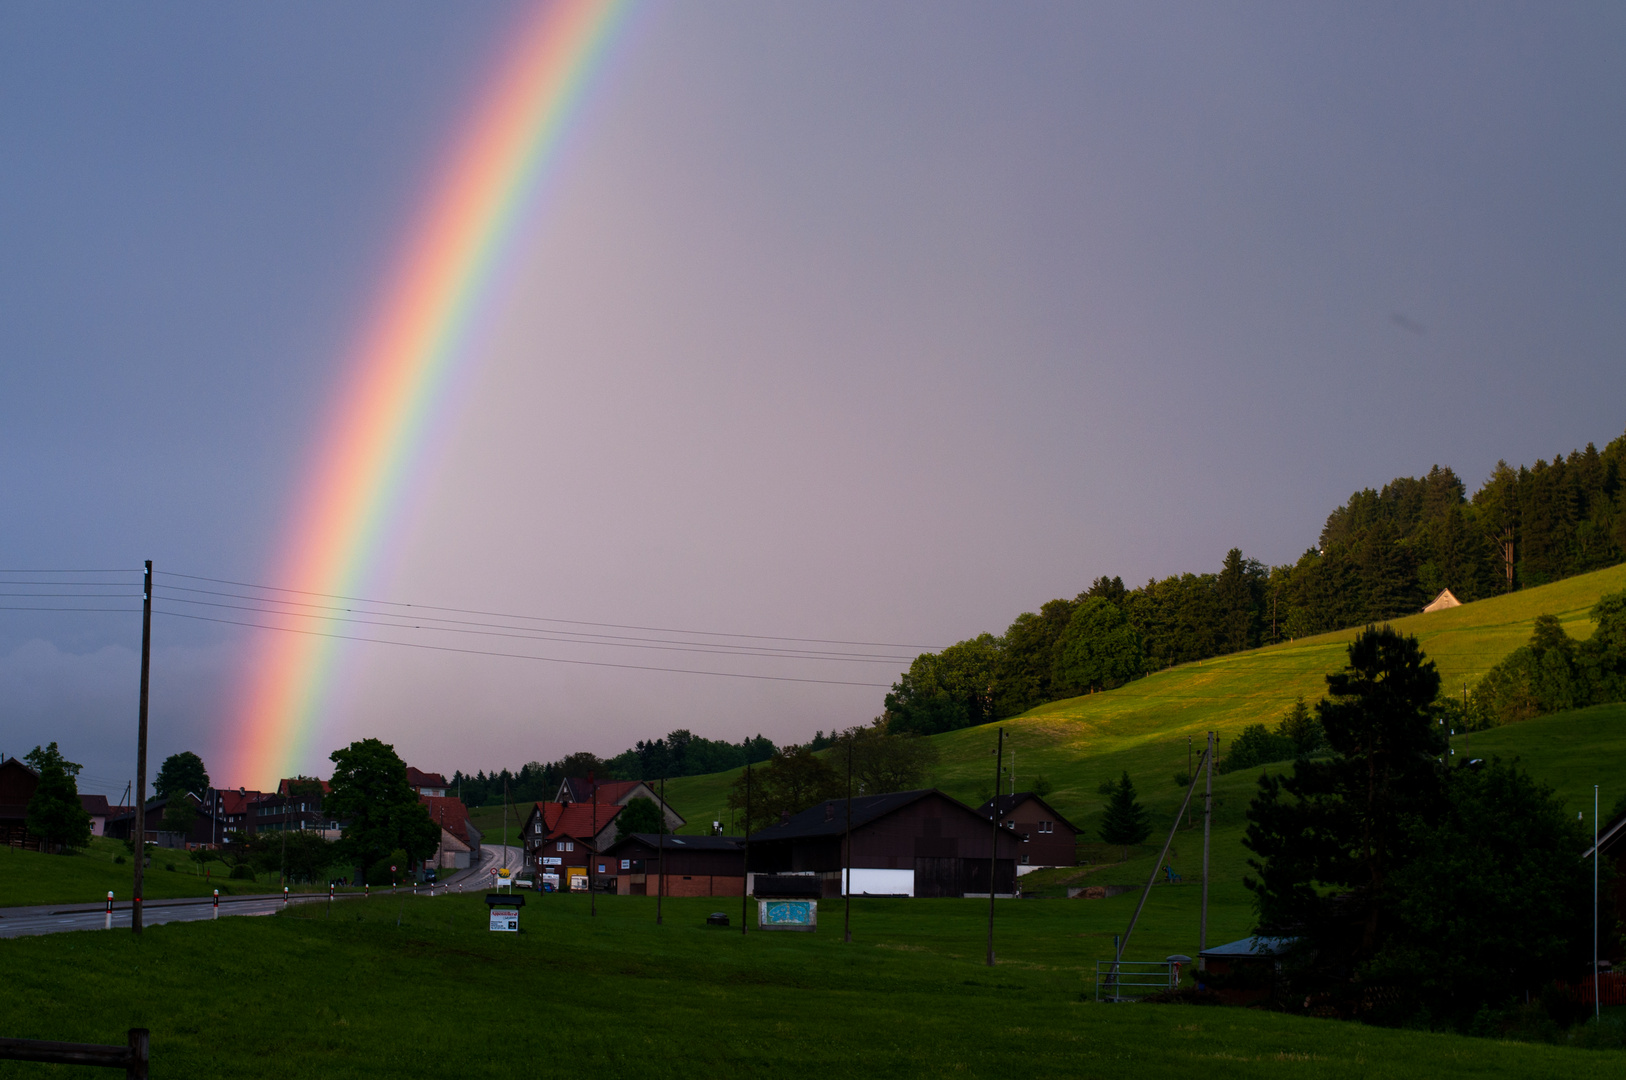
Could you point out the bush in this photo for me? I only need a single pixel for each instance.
(379, 872)
(118, 860)
(241, 872)
(170, 867)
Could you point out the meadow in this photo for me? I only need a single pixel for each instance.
(411, 986)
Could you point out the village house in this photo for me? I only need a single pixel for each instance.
(1048, 839)
(426, 783)
(616, 792)
(459, 839)
(17, 785)
(205, 831)
(906, 843)
(560, 838)
(234, 809)
(692, 866)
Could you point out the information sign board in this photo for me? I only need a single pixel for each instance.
(788, 914)
(505, 919)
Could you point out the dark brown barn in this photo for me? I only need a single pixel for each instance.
(694, 865)
(17, 785)
(907, 843)
(1048, 839)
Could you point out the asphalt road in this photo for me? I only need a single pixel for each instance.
(57, 918)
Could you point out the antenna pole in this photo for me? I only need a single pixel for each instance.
(745, 889)
(1208, 824)
(138, 821)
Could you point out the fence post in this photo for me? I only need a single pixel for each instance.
(137, 1068)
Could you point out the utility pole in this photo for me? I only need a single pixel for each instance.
(1208, 825)
(993, 854)
(1597, 1008)
(592, 858)
(138, 823)
(660, 858)
(505, 821)
(847, 852)
(745, 890)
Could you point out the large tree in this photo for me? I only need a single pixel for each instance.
(370, 794)
(181, 773)
(793, 780)
(54, 813)
(1100, 649)
(882, 761)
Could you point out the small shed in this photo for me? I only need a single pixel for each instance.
(1242, 972)
(1442, 602)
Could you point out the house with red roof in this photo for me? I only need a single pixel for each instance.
(426, 783)
(574, 789)
(561, 838)
(459, 839)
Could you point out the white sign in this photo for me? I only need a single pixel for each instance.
(505, 919)
(552, 860)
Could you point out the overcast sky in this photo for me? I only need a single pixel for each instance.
(874, 322)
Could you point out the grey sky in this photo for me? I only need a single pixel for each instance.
(880, 322)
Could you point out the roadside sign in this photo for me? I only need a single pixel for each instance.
(392, 869)
(505, 919)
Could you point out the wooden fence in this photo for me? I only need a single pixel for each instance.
(131, 1058)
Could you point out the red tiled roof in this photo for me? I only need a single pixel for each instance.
(418, 778)
(237, 802)
(449, 813)
(282, 785)
(576, 820)
(608, 791)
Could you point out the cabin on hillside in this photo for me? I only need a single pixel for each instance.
(905, 843)
(1442, 602)
(1048, 839)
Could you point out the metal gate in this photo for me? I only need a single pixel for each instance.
(1130, 980)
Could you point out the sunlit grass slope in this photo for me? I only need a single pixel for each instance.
(1143, 728)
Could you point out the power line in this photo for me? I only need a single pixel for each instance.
(543, 618)
(123, 610)
(465, 626)
(523, 656)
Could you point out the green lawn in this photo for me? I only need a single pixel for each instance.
(83, 877)
(353, 994)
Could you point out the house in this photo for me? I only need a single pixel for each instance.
(300, 812)
(234, 809)
(645, 864)
(616, 792)
(558, 839)
(1442, 602)
(426, 783)
(100, 811)
(17, 785)
(906, 843)
(459, 839)
(1048, 839)
(204, 832)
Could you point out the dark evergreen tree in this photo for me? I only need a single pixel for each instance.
(1125, 823)
(1344, 824)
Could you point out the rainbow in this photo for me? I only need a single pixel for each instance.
(411, 352)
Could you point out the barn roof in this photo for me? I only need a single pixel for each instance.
(1007, 803)
(829, 817)
(681, 843)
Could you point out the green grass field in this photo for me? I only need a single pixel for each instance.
(1143, 728)
(352, 994)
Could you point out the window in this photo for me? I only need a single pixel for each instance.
(566, 845)
(1047, 826)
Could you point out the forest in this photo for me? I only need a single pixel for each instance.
(1383, 554)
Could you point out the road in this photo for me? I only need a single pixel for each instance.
(57, 918)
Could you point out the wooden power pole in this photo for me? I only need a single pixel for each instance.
(138, 823)
(993, 855)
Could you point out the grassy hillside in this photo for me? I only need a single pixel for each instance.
(28, 877)
(417, 987)
(1143, 728)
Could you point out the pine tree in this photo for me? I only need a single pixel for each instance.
(1125, 822)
